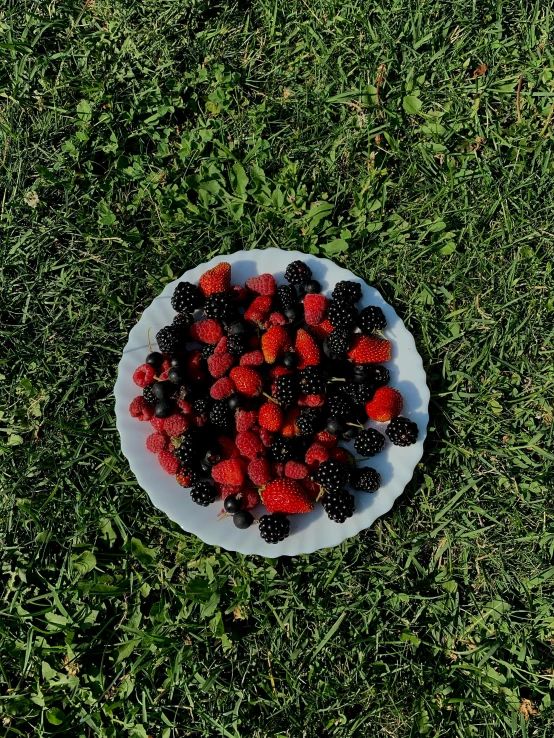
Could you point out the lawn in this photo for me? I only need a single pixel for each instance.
(410, 141)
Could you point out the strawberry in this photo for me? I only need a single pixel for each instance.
(206, 331)
(157, 442)
(286, 496)
(278, 371)
(176, 424)
(369, 349)
(259, 310)
(296, 470)
(266, 437)
(229, 471)
(274, 342)
(219, 364)
(221, 346)
(277, 319)
(247, 381)
(322, 330)
(168, 462)
(315, 307)
(289, 428)
(217, 279)
(259, 471)
(144, 375)
(228, 448)
(245, 419)
(252, 358)
(270, 416)
(195, 371)
(326, 439)
(386, 404)
(249, 445)
(264, 284)
(222, 389)
(307, 349)
(139, 409)
(316, 455)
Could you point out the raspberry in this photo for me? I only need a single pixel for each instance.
(316, 455)
(247, 381)
(275, 342)
(206, 331)
(223, 388)
(259, 471)
(186, 476)
(249, 445)
(168, 462)
(217, 279)
(289, 428)
(245, 419)
(322, 330)
(278, 468)
(144, 375)
(226, 490)
(252, 358)
(326, 438)
(157, 423)
(295, 470)
(229, 471)
(219, 364)
(176, 424)
(157, 442)
(220, 348)
(259, 310)
(140, 409)
(313, 400)
(266, 437)
(315, 307)
(286, 496)
(369, 349)
(307, 349)
(270, 416)
(264, 284)
(185, 407)
(277, 318)
(228, 448)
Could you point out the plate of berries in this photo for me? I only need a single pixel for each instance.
(271, 402)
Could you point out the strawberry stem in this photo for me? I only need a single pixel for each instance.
(270, 398)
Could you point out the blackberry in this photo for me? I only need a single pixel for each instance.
(341, 314)
(186, 298)
(187, 451)
(402, 432)
(340, 406)
(347, 291)
(169, 338)
(359, 392)
(207, 350)
(236, 345)
(365, 479)
(286, 297)
(218, 305)
(339, 505)
(369, 442)
(308, 422)
(298, 272)
(371, 319)
(286, 389)
(243, 519)
(332, 475)
(378, 375)
(202, 405)
(203, 493)
(149, 396)
(339, 341)
(274, 528)
(283, 449)
(221, 414)
(183, 322)
(312, 380)
(155, 359)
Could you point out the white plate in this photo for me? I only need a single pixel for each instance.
(307, 532)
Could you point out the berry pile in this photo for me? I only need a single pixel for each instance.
(253, 388)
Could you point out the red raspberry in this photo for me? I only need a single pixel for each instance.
(223, 388)
(311, 400)
(270, 416)
(277, 319)
(206, 331)
(322, 330)
(139, 409)
(316, 454)
(157, 442)
(245, 419)
(221, 347)
(247, 381)
(144, 375)
(186, 476)
(307, 349)
(163, 376)
(200, 420)
(185, 407)
(157, 424)
(327, 439)
(230, 471)
(259, 471)
(176, 424)
(168, 462)
(238, 294)
(217, 279)
(166, 365)
(259, 310)
(315, 307)
(219, 364)
(266, 437)
(249, 445)
(278, 469)
(252, 358)
(264, 284)
(225, 490)
(228, 448)
(296, 470)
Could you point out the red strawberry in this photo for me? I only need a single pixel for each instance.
(264, 284)
(277, 319)
(274, 342)
(186, 476)
(195, 371)
(245, 419)
(229, 471)
(326, 439)
(238, 294)
(221, 346)
(259, 310)
(249, 445)
(228, 448)
(316, 455)
(168, 462)
(259, 471)
(286, 496)
(386, 404)
(217, 279)
(270, 416)
(139, 409)
(144, 375)
(206, 331)
(296, 470)
(307, 349)
(247, 381)
(157, 442)
(157, 424)
(176, 424)
(266, 437)
(322, 330)
(223, 388)
(289, 428)
(369, 349)
(315, 307)
(278, 371)
(252, 358)
(219, 364)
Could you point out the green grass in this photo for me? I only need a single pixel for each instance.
(140, 137)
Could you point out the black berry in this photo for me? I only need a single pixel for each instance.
(332, 475)
(369, 442)
(169, 339)
(218, 305)
(339, 341)
(312, 380)
(187, 452)
(339, 505)
(371, 319)
(347, 291)
(298, 272)
(274, 528)
(221, 414)
(149, 396)
(286, 296)
(402, 432)
(186, 298)
(286, 389)
(365, 479)
(203, 493)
